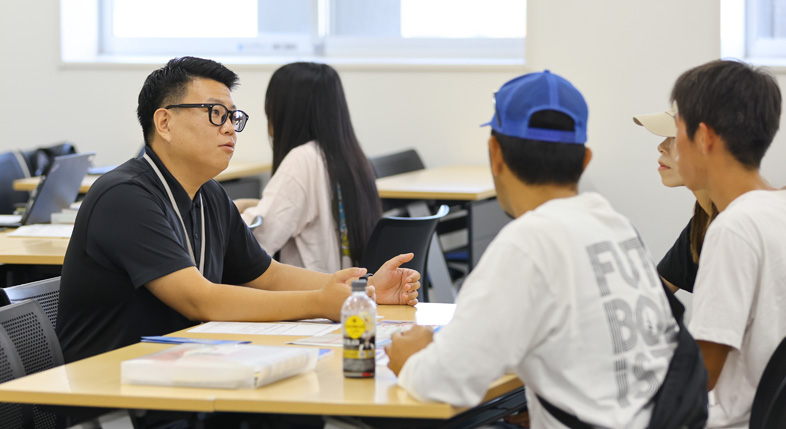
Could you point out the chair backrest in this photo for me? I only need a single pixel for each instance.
(396, 235)
(768, 409)
(396, 163)
(10, 170)
(34, 340)
(38, 160)
(46, 292)
(32, 335)
(11, 415)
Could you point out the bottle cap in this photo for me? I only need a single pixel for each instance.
(359, 285)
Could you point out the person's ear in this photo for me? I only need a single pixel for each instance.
(162, 122)
(587, 158)
(705, 138)
(495, 156)
(711, 138)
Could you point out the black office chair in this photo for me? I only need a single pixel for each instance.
(390, 165)
(11, 168)
(769, 404)
(396, 235)
(12, 415)
(38, 160)
(404, 162)
(33, 339)
(31, 306)
(396, 163)
(46, 292)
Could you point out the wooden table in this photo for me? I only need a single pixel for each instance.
(95, 382)
(459, 182)
(470, 185)
(236, 170)
(32, 251)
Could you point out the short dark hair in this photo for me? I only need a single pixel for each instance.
(167, 85)
(741, 103)
(538, 162)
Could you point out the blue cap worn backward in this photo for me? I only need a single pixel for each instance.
(519, 98)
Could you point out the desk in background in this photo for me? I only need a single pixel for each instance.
(51, 251)
(32, 251)
(471, 185)
(231, 178)
(95, 382)
(32, 259)
(26, 259)
(458, 182)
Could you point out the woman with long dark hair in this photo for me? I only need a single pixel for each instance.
(321, 203)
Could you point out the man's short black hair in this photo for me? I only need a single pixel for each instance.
(740, 102)
(167, 85)
(536, 162)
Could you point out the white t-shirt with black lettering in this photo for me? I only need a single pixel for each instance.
(567, 298)
(739, 296)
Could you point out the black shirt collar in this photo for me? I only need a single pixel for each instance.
(184, 203)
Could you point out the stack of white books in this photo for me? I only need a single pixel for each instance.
(66, 216)
(227, 366)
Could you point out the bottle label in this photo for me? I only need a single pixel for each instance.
(355, 327)
(359, 346)
(359, 357)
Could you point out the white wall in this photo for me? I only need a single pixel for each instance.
(624, 55)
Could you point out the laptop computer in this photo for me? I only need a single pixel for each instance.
(57, 189)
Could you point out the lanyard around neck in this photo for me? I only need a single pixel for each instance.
(177, 211)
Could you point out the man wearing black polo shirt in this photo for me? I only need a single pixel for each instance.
(158, 246)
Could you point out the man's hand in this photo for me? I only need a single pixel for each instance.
(407, 343)
(337, 290)
(396, 285)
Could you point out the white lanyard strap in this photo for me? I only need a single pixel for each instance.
(177, 211)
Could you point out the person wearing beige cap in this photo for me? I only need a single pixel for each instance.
(679, 267)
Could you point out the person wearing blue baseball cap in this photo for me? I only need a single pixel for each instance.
(566, 296)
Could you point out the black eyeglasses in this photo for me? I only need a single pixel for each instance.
(218, 114)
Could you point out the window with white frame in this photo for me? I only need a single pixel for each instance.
(765, 29)
(359, 29)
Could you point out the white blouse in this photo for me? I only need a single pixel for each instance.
(296, 210)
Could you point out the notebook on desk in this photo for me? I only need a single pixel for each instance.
(57, 189)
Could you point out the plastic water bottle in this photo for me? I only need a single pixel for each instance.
(359, 326)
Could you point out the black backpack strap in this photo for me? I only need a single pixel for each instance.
(566, 419)
(681, 401)
(684, 402)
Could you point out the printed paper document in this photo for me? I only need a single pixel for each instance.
(255, 328)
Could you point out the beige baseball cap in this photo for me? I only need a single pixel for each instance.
(661, 124)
